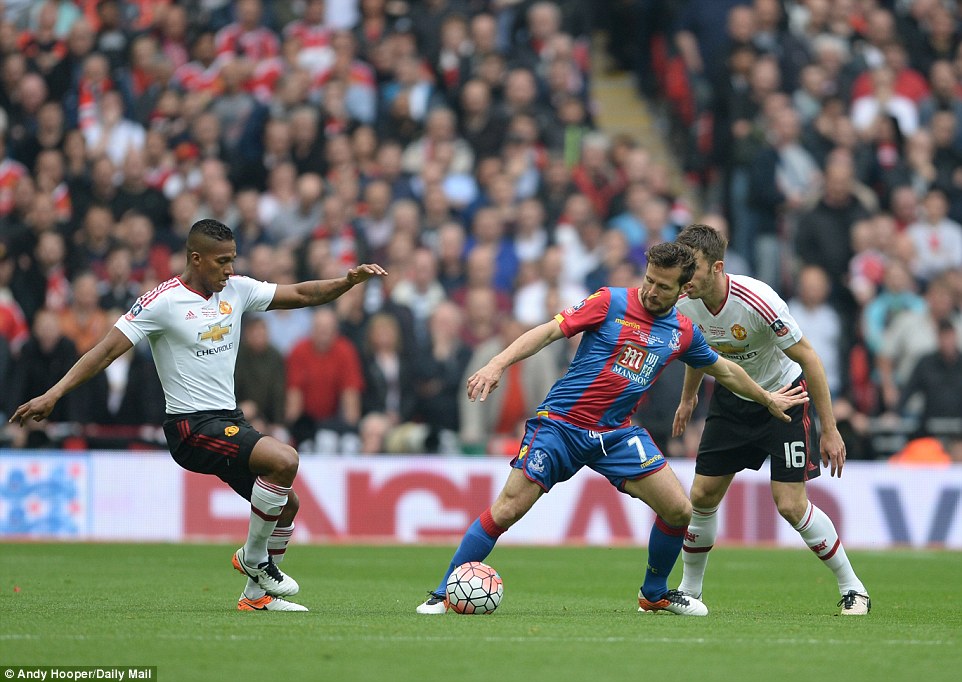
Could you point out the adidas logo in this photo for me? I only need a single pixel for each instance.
(190, 315)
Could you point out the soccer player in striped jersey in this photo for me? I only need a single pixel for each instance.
(193, 325)
(629, 336)
(744, 320)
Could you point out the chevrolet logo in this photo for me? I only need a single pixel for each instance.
(214, 333)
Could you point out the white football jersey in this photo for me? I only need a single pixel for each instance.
(195, 339)
(751, 328)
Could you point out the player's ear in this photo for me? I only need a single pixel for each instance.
(685, 288)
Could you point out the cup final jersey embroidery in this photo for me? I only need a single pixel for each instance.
(751, 328)
(622, 351)
(194, 339)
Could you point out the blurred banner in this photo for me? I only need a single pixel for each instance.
(145, 496)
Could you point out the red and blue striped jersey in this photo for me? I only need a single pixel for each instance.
(622, 352)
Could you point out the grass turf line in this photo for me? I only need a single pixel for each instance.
(568, 614)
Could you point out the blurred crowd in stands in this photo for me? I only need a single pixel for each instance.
(454, 143)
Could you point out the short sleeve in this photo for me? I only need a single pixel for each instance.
(257, 295)
(785, 330)
(143, 319)
(588, 314)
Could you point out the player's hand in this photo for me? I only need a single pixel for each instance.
(37, 409)
(833, 451)
(683, 416)
(482, 382)
(362, 273)
(785, 399)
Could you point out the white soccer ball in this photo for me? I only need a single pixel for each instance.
(474, 588)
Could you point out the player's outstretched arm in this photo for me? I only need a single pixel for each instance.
(485, 380)
(688, 401)
(736, 379)
(830, 443)
(319, 292)
(111, 347)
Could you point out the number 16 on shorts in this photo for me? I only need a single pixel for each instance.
(795, 455)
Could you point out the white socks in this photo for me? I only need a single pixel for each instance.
(818, 532)
(267, 501)
(816, 529)
(699, 539)
(276, 548)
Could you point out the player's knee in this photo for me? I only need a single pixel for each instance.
(284, 463)
(791, 509)
(678, 513)
(704, 498)
(508, 509)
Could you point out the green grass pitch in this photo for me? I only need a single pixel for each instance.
(567, 614)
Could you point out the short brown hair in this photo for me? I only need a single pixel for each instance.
(673, 255)
(706, 239)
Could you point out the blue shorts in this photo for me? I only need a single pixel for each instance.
(553, 451)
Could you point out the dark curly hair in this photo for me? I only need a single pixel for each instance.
(673, 255)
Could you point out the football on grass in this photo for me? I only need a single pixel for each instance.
(474, 588)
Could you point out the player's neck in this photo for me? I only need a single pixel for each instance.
(719, 292)
(192, 282)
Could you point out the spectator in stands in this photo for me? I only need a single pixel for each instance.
(824, 232)
(325, 381)
(111, 134)
(531, 234)
(13, 324)
(239, 113)
(246, 38)
(387, 369)
(549, 292)
(910, 336)
(260, 376)
(42, 280)
(947, 160)
(488, 231)
(113, 37)
(149, 260)
(376, 224)
(936, 239)
(44, 358)
(820, 322)
(883, 101)
(438, 369)
(945, 96)
(420, 291)
(904, 204)
(119, 290)
(405, 100)
(935, 376)
(248, 229)
(84, 322)
(594, 176)
(47, 134)
(440, 127)
(481, 124)
(373, 430)
(866, 269)
(135, 194)
(615, 253)
(939, 39)
(452, 272)
(482, 315)
(65, 75)
(297, 220)
(503, 414)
